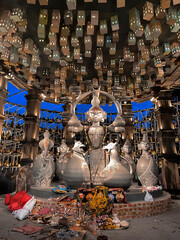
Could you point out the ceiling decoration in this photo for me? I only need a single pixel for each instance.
(67, 47)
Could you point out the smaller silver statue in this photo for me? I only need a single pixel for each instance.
(147, 168)
(62, 160)
(127, 160)
(44, 167)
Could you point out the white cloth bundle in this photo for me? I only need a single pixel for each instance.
(24, 212)
(148, 197)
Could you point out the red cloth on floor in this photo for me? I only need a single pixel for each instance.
(19, 200)
(7, 199)
(27, 229)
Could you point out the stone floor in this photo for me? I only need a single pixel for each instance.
(162, 227)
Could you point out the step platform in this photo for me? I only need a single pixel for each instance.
(133, 194)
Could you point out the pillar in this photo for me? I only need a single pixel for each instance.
(3, 95)
(68, 136)
(31, 127)
(127, 116)
(166, 137)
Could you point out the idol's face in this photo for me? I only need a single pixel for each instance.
(95, 115)
(46, 135)
(127, 149)
(63, 148)
(145, 146)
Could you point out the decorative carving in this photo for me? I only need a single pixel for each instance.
(62, 161)
(44, 167)
(147, 168)
(127, 149)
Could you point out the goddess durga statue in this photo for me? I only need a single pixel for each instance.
(96, 134)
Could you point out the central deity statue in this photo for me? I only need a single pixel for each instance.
(95, 135)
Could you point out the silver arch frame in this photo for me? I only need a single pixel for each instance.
(81, 96)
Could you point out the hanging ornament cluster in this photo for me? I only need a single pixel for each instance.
(71, 37)
(152, 32)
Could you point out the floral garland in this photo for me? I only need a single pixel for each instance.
(89, 141)
(104, 222)
(99, 204)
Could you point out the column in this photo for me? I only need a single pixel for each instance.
(166, 137)
(68, 136)
(31, 127)
(127, 116)
(3, 95)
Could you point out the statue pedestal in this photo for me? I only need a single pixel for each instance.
(141, 209)
(47, 192)
(133, 194)
(130, 210)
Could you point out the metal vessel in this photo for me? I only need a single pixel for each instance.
(114, 174)
(77, 171)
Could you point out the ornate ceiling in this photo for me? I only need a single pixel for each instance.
(64, 47)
